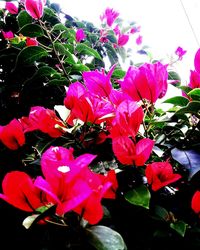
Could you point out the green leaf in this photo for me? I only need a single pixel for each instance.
(84, 49)
(23, 18)
(177, 100)
(195, 94)
(59, 26)
(29, 55)
(112, 55)
(172, 75)
(104, 238)
(139, 196)
(180, 227)
(58, 82)
(80, 67)
(118, 73)
(31, 30)
(192, 108)
(62, 50)
(49, 12)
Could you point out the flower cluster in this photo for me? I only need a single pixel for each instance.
(84, 147)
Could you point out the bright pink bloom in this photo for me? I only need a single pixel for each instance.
(72, 185)
(117, 30)
(103, 36)
(195, 74)
(195, 204)
(129, 153)
(122, 39)
(160, 174)
(139, 40)
(197, 61)
(8, 34)
(149, 82)
(11, 7)
(31, 41)
(129, 116)
(12, 135)
(98, 83)
(180, 53)
(110, 16)
(80, 35)
(35, 8)
(44, 120)
(19, 191)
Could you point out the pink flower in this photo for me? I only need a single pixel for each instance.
(139, 40)
(110, 16)
(122, 39)
(8, 34)
(80, 35)
(35, 8)
(149, 82)
(195, 74)
(12, 135)
(31, 41)
(135, 30)
(98, 82)
(160, 174)
(180, 53)
(11, 7)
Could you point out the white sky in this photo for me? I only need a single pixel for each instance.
(164, 24)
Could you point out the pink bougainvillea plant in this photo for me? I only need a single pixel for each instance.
(89, 159)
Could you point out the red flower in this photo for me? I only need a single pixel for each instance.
(44, 120)
(160, 174)
(35, 8)
(196, 202)
(129, 153)
(19, 191)
(129, 116)
(31, 41)
(12, 135)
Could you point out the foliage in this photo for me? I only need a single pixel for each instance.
(88, 160)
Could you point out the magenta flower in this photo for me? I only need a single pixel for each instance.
(149, 82)
(139, 40)
(160, 174)
(195, 74)
(8, 34)
(31, 41)
(135, 30)
(122, 39)
(35, 8)
(80, 35)
(110, 16)
(11, 7)
(180, 53)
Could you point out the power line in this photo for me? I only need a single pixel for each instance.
(194, 34)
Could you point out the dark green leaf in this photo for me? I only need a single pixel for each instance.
(31, 30)
(180, 227)
(139, 196)
(62, 50)
(84, 49)
(29, 55)
(172, 75)
(80, 67)
(177, 100)
(112, 55)
(188, 158)
(59, 82)
(104, 238)
(23, 18)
